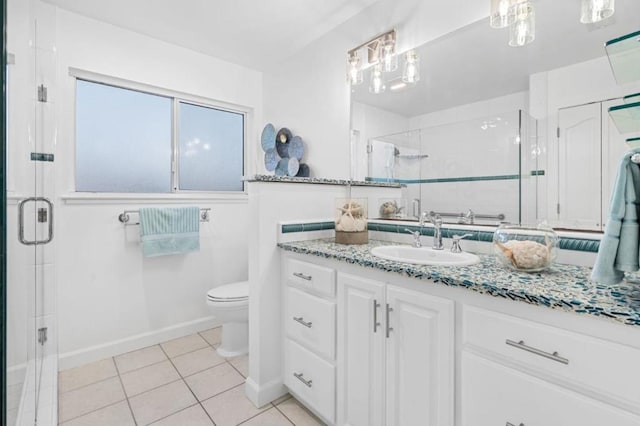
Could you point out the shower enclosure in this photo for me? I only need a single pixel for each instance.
(30, 345)
(481, 171)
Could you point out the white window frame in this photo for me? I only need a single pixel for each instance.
(176, 97)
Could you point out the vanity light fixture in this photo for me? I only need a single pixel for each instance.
(596, 10)
(381, 52)
(501, 13)
(523, 29)
(411, 67)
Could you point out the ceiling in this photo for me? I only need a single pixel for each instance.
(475, 62)
(254, 33)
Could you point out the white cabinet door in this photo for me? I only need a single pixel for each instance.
(579, 168)
(360, 351)
(420, 359)
(496, 395)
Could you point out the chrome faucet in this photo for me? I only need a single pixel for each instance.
(455, 245)
(436, 220)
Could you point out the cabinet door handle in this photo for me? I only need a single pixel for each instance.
(301, 320)
(302, 276)
(511, 424)
(300, 376)
(552, 356)
(389, 328)
(376, 324)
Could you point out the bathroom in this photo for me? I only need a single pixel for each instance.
(89, 295)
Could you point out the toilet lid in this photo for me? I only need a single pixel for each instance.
(230, 292)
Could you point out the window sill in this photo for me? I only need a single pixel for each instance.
(179, 198)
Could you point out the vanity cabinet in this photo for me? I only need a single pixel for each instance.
(395, 355)
(519, 372)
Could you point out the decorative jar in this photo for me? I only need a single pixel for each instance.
(526, 249)
(351, 221)
(392, 208)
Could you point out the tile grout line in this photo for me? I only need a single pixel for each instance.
(187, 384)
(133, 416)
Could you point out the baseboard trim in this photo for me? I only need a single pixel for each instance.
(95, 353)
(262, 395)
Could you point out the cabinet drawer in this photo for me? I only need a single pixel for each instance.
(604, 367)
(318, 279)
(496, 395)
(311, 379)
(311, 321)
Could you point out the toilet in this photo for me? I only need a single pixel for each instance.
(230, 304)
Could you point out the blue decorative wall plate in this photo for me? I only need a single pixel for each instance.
(296, 148)
(268, 138)
(293, 166)
(271, 159)
(284, 135)
(282, 167)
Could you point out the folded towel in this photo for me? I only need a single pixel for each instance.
(619, 248)
(165, 231)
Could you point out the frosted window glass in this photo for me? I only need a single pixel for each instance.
(123, 140)
(211, 145)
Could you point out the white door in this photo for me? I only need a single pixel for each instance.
(420, 359)
(579, 168)
(360, 351)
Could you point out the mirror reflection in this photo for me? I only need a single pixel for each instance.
(493, 133)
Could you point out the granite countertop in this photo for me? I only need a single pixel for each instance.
(564, 287)
(321, 181)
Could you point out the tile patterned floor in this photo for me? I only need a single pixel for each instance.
(182, 382)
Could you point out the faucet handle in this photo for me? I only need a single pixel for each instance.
(455, 245)
(416, 237)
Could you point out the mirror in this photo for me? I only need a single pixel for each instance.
(496, 133)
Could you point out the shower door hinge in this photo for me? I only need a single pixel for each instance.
(558, 208)
(369, 148)
(42, 335)
(558, 132)
(42, 93)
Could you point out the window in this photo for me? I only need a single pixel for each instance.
(125, 142)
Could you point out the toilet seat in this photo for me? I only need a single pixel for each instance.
(228, 293)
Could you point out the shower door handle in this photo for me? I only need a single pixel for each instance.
(47, 217)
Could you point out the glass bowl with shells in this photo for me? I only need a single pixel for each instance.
(525, 249)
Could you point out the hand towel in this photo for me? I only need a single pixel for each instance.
(165, 231)
(619, 249)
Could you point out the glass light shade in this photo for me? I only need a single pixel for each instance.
(411, 67)
(501, 13)
(596, 10)
(389, 59)
(523, 29)
(377, 85)
(354, 70)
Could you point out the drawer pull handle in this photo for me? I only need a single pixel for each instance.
(300, 376)
(389, 328)
(376, 324)
(511, 424)
(554, 356)
(302, 276)
(301, 320)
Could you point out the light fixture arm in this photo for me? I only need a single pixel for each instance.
(372, 44)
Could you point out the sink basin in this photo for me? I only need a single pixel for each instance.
(424, 256)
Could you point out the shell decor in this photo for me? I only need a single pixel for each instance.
(524, 248)
(351, 218)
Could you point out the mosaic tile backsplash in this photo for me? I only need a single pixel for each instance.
(563, 287)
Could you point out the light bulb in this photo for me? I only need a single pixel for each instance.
(354, 70)
(411, 69)
(523, 29)
(501, 13)
(377, 85)
(596, 10)
(389, 58)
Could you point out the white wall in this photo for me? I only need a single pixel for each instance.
(111, 299)
(309, 94)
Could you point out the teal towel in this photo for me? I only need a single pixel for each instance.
(619, 248)
(165, 231)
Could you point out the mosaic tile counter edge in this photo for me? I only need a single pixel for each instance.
(320, 181)
(564, 287)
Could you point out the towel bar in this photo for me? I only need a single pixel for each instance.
(124, 216)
